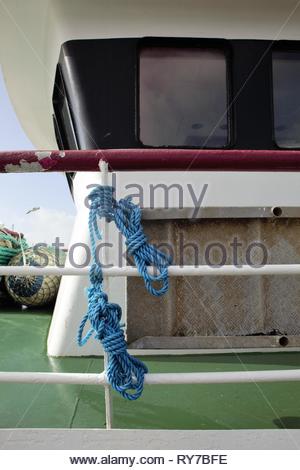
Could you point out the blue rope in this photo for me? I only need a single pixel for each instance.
(125, 373)
(127, 217)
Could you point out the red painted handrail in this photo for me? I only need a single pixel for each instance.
(150, 160)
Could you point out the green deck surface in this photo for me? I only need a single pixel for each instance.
(233, 406)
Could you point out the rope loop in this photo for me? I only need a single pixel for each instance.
(124, 372)
(128, 220)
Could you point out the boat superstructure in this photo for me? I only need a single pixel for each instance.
(195, 109)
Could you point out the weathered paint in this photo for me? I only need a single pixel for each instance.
(43, 154)
(23, 167)
(150, 160)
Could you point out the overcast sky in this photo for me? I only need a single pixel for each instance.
(21, 192)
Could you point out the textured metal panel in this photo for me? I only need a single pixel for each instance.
(221, 212)
(220, 306)
(217, 343)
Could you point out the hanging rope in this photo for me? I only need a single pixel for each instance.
(125, 373)
(127, 217)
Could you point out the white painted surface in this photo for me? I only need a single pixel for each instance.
(71, 303)
(225, 189)
(35, 30)
(127, 439)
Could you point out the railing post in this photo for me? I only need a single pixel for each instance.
(103, 166)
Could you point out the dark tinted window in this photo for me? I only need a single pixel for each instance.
(183, 97)
(286, 98)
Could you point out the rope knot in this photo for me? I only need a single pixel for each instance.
(114, 343)
(102, 202)
(96, 274)
(135, 241)
(128, 220)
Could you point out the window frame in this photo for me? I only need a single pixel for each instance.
(281, 46)
(190, 43)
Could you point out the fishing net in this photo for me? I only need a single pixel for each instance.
(35, 291)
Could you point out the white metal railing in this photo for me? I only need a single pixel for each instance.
(154, 379)
(128, 271)
(160, 378)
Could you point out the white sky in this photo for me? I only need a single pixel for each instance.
(21, 192)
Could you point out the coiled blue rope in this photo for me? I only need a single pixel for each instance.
(127, 217)
(125, 373)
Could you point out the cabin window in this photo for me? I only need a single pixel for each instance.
(183, 97)
(286, 98)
